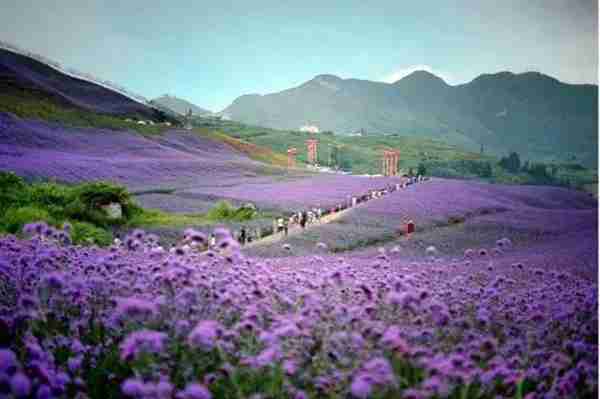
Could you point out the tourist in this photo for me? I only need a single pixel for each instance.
(243, 235)
(303, 219)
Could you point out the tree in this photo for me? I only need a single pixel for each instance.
(421, 170)
(512, 163)
(486, 170)
(539, 171)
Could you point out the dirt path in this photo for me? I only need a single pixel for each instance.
(272, 238)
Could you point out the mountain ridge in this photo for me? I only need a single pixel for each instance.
(180, 105)
(531, 113)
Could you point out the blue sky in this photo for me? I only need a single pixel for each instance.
(212, 52)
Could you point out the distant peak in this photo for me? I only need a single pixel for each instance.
(327, 77)
(330, 82)
(501, 74)
(421, 75)
(530, 76)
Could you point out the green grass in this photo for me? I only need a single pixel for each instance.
(362, 155)
(28, 105)
(356, 154)
(222, 211)
(80, 205)
(157, 218)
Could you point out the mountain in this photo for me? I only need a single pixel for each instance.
(180, 106)
(24, 77)
(536, 115)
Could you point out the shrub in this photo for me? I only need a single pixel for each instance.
(52, 197)
(223, 210)
(96, 194)
(90, 197)
(16, 218)
(13, 191)
(86, 233)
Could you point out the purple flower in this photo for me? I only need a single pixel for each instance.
(142, 341)
(392, 339)
(194, 391)
(205, 335)
(134, 308)
(8, 361)
(133, 387)
(362, 386)
(20, 385)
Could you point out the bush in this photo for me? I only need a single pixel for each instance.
(85, 234)
(13, 191)
(101, 193)
(52, 197)
(223, 210)
(16, 218)
(90, 197)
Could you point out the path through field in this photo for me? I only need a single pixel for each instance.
(275, 237)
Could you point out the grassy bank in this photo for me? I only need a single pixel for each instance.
(34, 106)
(81, 206)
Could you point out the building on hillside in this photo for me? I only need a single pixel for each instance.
(310, 128)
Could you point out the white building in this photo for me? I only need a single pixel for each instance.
(309, 128)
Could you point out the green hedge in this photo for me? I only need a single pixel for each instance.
(14, 219)
(53, 203)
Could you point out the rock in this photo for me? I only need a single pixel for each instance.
(113, 210)
(431, 250)
(249, 205)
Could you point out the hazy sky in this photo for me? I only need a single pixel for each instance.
(210, 52)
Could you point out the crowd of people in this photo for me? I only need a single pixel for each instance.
(314, 215)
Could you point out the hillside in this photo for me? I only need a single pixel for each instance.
(357, 154)
(180, 106)
(27, 84)
(531, 113)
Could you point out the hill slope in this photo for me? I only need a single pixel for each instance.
(22, 78)
(531, 113)
(180, 106)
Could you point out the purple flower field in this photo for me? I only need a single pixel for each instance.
(494, 296)
(135, 321)
(43, 150)
(454, 215)
(324, 190)
(196, 166)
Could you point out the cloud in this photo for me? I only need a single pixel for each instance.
(402, 72)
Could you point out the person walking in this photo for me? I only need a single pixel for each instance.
(280, 225)
(243, 235)
(303, 219)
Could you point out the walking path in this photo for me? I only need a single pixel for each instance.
(328, 218)
(272, 238)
